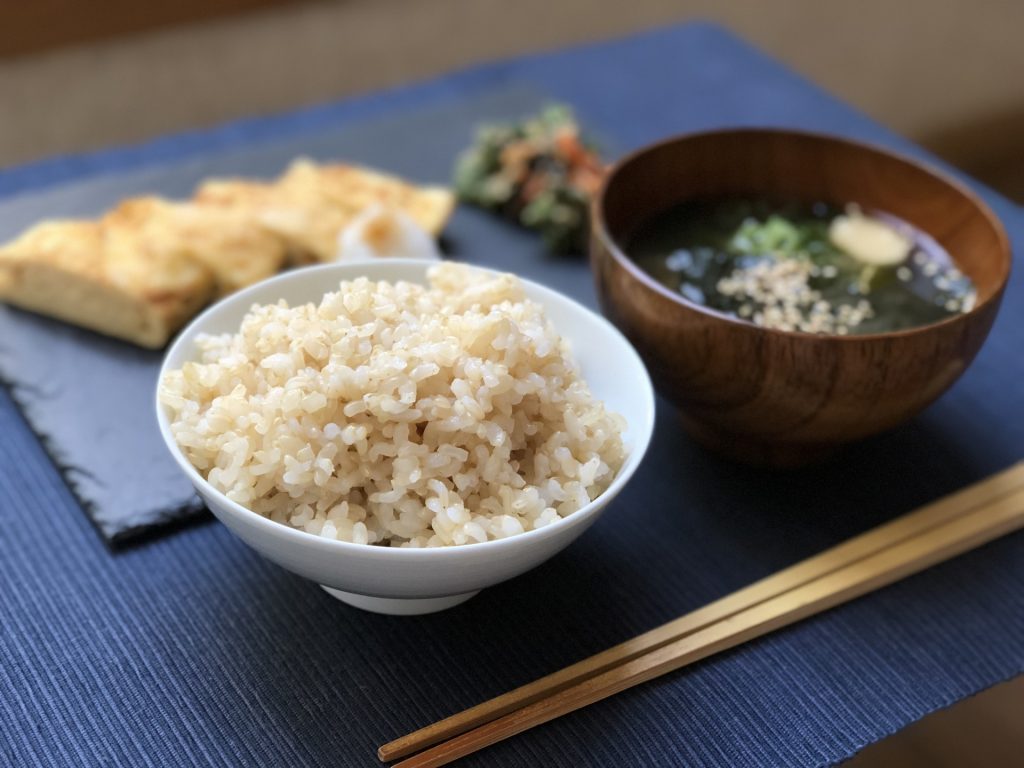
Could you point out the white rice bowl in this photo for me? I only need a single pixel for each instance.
(398, 414)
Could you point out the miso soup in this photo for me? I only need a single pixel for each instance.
(813, 268)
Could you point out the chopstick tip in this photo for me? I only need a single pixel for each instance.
(394, 750)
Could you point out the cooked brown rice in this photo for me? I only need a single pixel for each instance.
(398, 414)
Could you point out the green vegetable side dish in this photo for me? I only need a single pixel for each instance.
(539, 172)
(811, 268)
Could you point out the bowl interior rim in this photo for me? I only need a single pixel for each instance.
(641, 439)
(618, 251)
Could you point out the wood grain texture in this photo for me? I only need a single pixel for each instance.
(867, 544)
(943, 542)
(775, 397)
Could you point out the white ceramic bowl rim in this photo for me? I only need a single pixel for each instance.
(641, 439)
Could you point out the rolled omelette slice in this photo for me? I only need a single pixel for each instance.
(310, 204)
(85, 273)
(229, 243)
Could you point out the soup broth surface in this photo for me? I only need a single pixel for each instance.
(780, 265)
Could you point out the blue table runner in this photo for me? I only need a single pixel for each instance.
(192, 650)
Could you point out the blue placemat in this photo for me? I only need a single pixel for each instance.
(191, 650)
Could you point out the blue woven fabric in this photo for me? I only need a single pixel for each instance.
(192, 650)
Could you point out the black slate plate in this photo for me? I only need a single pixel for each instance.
(90, 399)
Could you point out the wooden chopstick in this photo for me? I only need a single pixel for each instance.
(850, 551)
(889, 565)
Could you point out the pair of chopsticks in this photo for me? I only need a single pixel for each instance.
(939, 531)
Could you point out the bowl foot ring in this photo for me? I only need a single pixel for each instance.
(399, 606)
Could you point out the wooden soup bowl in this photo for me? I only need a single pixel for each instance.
(776, 397)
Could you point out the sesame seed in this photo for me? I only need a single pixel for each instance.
(777, 294)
